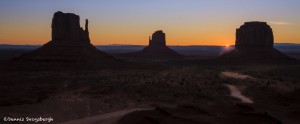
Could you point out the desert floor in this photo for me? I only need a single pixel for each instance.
(197, 93)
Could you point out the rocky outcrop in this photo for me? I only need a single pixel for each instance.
(66, 27)
(69, 44)
(158, 39)
(157, 49)
(253, 35)
(254, 44)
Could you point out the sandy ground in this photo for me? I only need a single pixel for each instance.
(236, 75)
(208, 94)
(109, 118)
(235, 92)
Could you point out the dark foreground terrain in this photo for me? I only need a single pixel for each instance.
(172, 93)
(197, 94)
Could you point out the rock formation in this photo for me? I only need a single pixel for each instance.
(157, 48)
(254, 35)
(254, 43)
(66, 27)
(70, 43)
(158, 39)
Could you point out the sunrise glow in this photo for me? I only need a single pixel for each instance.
(193, 22)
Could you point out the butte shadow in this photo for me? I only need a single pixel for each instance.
(157, 49)
(70, 47)
(254, 44)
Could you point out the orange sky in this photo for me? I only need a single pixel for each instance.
(102, 35)
(132, 22)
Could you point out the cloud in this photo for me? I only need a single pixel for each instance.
(279, 23)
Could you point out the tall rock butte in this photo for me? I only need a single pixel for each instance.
(158, 39)
(157, 48)
(254, 43)
(70, 43)
(66, 27)
(254, 35)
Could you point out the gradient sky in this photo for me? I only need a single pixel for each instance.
(185, 22)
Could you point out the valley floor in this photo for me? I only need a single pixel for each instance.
(211, 94)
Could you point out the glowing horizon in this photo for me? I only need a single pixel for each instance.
(193, 22)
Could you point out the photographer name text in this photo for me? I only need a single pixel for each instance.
(28, 119)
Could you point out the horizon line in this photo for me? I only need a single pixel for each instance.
(139, 44)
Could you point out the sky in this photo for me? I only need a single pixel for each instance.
(185, 22)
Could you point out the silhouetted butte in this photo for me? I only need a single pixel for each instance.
(254, 43)
(157, 48)
(70, 43)
(254, 35)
